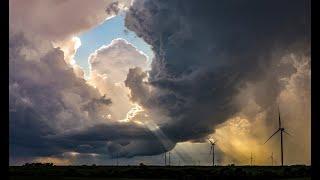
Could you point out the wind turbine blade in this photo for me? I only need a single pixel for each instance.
(287, 133)
(279, 118)
(210, 150)
(210, 141)
(272, 135)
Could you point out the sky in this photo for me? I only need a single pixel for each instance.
(103, 34)
(137, 79)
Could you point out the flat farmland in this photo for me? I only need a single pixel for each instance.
(159, 172)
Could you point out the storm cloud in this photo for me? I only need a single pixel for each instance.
(215, 61)
(50, 99)
(53, 111)
(207, 52)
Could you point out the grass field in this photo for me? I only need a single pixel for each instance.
(159, 172)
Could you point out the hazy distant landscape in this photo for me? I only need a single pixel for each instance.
(160, 172)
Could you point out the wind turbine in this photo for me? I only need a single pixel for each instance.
(117, 159)
(271, 157)
(281, 130)
(212, 149)
(251, 159)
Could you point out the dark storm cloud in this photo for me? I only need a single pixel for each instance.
(39, 104)
(125, 139)
(26, 133)
(206, 51)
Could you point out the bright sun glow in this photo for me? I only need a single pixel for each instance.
(132, 113)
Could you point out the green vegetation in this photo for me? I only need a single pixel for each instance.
(297, 172)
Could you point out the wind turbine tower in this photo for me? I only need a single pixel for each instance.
(281, 130)
(271, 157)
(165, 158)
(212, 149)
(251, 159)
(117, 157)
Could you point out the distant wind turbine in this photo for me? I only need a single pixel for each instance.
(212, 149)
(271, 157)
(117, 159)
(116, 155)
(251, 159)
(281, 130)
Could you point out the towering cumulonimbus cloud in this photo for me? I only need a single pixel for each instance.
(109, 66)
(214, 61)
(51, 104)
(207, 52)
(53, 111)
(115, 59)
